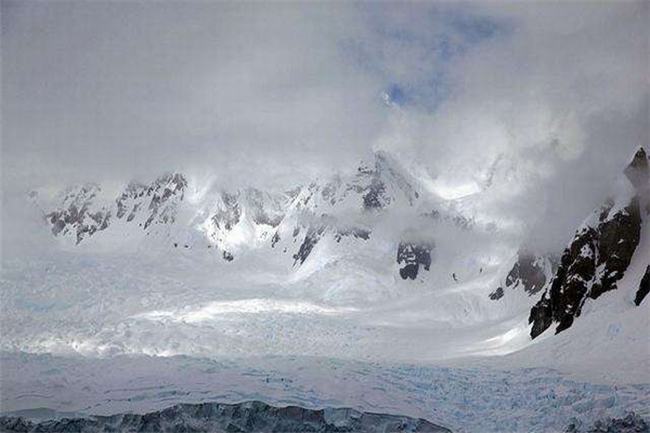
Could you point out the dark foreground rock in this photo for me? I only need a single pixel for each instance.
(631, 423)
(247, 417)
(591, 265)
(644, 287)
(597, 257)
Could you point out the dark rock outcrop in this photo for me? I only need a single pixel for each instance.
(497, 294)
(82, 213)
(247, 417)
(311, 239)
(644, 287)
(530, 272)
(411, 256)
(631, 423)
(597, 257)
(590, 266)
(161, 192)
(355, 232)
(76, 214)
(154, 200)
(638, 171)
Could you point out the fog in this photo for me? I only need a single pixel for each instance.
(536, 106)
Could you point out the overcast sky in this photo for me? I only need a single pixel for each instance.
(553, 96)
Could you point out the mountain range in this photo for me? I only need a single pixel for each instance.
(380, 210)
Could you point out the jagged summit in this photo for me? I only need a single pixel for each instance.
(637, 170)
(328, 215)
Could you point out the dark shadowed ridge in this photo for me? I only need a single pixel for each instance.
(246, 417)
(598, 255)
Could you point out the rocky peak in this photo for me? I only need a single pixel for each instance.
(77, 213)
(159, 199)
(383, 182)
(412, 255)
(531, 272)
(596, 258)
(637, 171)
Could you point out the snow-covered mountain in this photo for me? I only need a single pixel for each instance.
(349, 232)
(379, 200)
(600, 253)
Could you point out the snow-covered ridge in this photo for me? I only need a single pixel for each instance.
(380, 199)
(599, 254)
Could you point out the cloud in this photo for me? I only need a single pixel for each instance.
(538, 105)
(546, 113)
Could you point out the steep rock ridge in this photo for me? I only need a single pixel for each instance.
(310, 240)
(384, 184)
(155, 203)
(293, 225)
(81, 212)
(78, 215)
(638, 172)
(247, 417)
(597, 257)
(644, 287)
(530, 272)
(374, 186)
(333, 208)
(411, 255)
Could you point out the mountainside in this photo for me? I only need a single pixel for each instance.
(599, 254)
(382, 196)
(530, 273)
(358, 234)
(247, 417)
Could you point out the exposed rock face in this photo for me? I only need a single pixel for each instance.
(81, 213)
(344, 208)
(497, 294)
(592, 264)
(596, 259)
(355, 232)
(383, 184)
(77, 215)
(644, 287)
(227, 217)
(631, 423)
(530, 272)
(248, 417)
(162, 192)
(411, 256)
(637, 171)
(311, 239)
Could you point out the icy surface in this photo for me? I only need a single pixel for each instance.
(135, 320)
(463, 399)
(245, 417)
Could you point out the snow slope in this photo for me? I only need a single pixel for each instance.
(301, 297)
